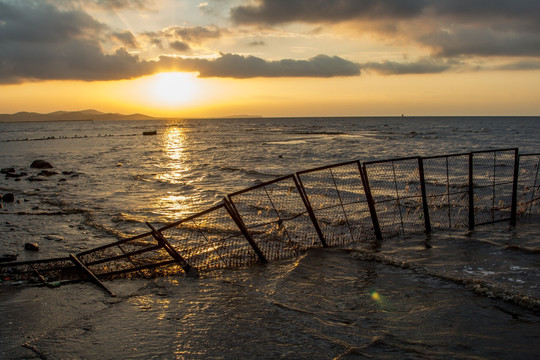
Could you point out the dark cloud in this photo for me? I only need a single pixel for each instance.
(243, 67)
(197, 34)
(126, 38)
(273, 12)
(449, 28)
(38, 41)
(41, 42)
(284, 11)
(179, 46)
(482, 41)
(521, 65)
(422, 66)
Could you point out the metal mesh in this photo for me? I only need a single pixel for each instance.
(50, 270)
(395, 187)
(210, 240)
(529, 185)
(336, 195)
(137, 256)
(276, 218)
(447, 190)
(282, 218)
(493, 179)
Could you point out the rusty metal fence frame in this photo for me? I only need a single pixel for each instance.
(492, 197)
(335, 205)
(212, 239)
(528, 185)
(447, 190)
(398, 192)
(337, 196)
(278, 218)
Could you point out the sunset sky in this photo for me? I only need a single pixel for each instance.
(203, 58)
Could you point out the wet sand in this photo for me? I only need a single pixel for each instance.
(327, 304)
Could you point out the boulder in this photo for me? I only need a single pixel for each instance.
(31, 246)
(7, 170)
(41, 164)
(9, 197)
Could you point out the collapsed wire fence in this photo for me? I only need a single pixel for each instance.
(338, 205)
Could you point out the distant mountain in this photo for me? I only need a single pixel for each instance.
(83, 115)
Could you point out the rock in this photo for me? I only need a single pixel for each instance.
(14, 175)
(9, 197)
(35, 178)
(41, 164)
(8, 257)
(47, 173)
(31, 246)
(7, 170)
(54, 237)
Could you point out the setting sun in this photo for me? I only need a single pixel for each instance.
(172, 88)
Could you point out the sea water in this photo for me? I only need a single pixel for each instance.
(326, 304)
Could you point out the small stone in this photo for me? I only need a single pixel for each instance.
(7, 170)
(41, 164)
(35, 178)
(31, 246)
(9, 197)
(54, 237)
(47, 173)
(8, 257)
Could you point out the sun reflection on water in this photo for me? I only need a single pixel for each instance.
(175, 170)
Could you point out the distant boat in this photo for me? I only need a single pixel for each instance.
(150, 132)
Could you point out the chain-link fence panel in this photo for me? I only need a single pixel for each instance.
(529, 185)
(276, 216)
(210, 240)
(396, 189)
(493, 181)
(338, 200)
(447, 190)
(41, 271)
(141, 255)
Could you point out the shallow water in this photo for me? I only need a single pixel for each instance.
(111, 179)
(449, 295)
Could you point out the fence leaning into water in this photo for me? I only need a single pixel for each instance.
(350, 203)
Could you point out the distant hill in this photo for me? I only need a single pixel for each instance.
(83, 115)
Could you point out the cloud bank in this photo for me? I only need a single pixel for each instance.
(42, 42)
(58, 39)
(450, 28)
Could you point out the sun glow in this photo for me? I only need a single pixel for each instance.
(172, 88)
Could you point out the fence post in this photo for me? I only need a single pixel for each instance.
(188, 269)
(371, 203)
(89, 274)
(424, 195)
(231, 209)
(513, 215)
(307, 204)
(471, 193)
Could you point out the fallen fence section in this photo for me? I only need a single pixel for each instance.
(337, 205)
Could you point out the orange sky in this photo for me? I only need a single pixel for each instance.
(199, 59)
